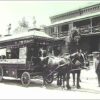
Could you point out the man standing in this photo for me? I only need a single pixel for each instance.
(97, 68)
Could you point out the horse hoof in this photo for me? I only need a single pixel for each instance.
(78, 87)
(73, 84)
(43, 87)
(68, 87)
(63, 86)
(58, 85)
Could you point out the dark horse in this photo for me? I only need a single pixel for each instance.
(80, 61)
(77, 62)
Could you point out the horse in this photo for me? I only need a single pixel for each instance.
(76, 63)
(54, 65)
(64, 70)
(79, 62)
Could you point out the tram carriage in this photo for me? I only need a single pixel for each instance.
(16, 54)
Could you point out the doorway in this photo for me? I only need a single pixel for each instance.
(94, 43)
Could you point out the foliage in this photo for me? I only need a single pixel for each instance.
(22, 26)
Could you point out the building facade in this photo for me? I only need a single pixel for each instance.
(86, 19)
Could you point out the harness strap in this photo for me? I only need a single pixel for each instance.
(57, 68)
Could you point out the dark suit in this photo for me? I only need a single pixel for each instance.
(97, 69)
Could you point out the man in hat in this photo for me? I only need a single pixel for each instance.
(97, 67)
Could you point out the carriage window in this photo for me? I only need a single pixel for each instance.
(12, 53)
(32, 52)
(22, 52)
(3, 53)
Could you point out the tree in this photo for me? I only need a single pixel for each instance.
(72, 40)
(22, 26)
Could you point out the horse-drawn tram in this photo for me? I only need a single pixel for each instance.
(20, 55)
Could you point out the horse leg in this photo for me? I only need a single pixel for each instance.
(78, 79)
(64, 80)
(67, 81)
(58, 79)
(73, 75)
(44, 78)
(44, 83)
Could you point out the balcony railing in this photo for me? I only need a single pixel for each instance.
(60, 34)
(83, 30)
(88, 29)
(96, 29)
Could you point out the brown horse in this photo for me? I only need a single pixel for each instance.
(77, 63)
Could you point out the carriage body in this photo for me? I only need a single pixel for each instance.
(19, 55)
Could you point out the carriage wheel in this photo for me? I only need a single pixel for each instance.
(25, 79)
(49, 79)
(1, 74)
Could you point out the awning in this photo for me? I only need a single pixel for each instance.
(77, 18)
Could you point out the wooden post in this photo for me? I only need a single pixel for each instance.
(57, 31)
(91, 24)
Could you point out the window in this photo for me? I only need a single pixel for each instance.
(12, 53)
(52, 29)
(32, 51)
(3, 53)
(22, 52)
(64, 28)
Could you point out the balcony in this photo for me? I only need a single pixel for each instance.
(96, 29)
(85, 29)
(89, 30)
(60, 34)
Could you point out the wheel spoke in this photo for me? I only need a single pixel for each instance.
(25, 79)
(49, 79)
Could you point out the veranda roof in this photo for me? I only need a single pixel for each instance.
(77, 18)
(26, 35)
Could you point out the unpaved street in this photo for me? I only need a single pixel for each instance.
(12, 89)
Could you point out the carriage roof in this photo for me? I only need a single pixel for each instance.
(26, 35)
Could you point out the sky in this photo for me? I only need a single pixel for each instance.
(13, 11)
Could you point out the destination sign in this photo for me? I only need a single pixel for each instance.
(23, 42)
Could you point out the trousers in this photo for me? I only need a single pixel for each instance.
(98, 76)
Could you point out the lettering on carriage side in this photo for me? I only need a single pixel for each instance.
(23, 42)
(12, 61)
